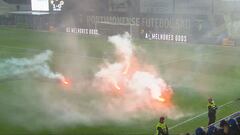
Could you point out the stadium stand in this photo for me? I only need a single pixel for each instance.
(200, 131)
(19, 5)
(5, 7)
(226, 126)
(231, 123)
(229, 118)
(234, 126)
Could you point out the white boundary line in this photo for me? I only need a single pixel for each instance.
(199, 115)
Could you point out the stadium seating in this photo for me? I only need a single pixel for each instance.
(200, 131)
(212, 130)
(231, 123)
(233, 126)
(238, 121)
(5, 7)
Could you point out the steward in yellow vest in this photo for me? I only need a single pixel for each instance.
(212, 109)
(161, 127)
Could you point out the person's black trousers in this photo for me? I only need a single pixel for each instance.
(211, 118)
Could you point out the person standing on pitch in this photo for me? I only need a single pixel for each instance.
(212, 109)
(161, 127)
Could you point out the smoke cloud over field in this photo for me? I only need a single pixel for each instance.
(118, 91)
(128, 71)
(136, 84)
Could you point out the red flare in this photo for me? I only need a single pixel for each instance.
(65, 81)
(161, 99)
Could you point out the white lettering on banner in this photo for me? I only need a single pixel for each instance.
(166, 37)
(82, 31)
(162, 22)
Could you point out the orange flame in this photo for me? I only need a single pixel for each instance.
(65, 81)
(161, 99)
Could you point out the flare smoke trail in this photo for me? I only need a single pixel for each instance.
(37, 65)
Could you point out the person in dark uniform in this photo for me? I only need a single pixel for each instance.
(212, 109)
(161, 127)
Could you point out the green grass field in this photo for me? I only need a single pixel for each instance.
(194, 71)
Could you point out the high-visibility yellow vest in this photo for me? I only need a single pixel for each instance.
(163, 126)
(212, 105)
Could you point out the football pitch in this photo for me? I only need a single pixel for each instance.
(195, 73)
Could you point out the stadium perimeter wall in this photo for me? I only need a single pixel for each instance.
(174, 20)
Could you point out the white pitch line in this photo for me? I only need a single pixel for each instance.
(199, 115)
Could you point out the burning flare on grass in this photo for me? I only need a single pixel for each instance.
(128, 75)
(161, 99)
(65, 81)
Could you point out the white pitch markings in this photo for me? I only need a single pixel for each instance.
(199, 115)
